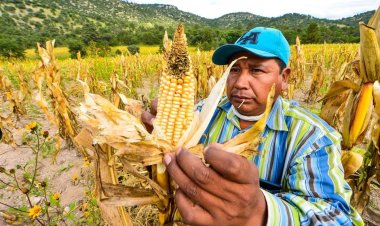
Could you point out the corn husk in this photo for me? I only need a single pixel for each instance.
(369, 54)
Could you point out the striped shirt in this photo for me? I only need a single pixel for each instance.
(301, 174)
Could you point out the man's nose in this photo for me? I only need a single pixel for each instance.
(242, 81)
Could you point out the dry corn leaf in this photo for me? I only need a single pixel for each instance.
(347, 118)
(376, 127)
(351, 162)
(376, 97)
(161, 193)
(374, 22)
(84, 138)
(121, 195)
(105, 174)
(340, 86)
(44, 54)
(134, 107)
(316, 83)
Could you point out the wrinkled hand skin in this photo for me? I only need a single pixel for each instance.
(225, 193)
(148, 116)
(147, 119)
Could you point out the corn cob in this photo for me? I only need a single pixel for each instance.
(176, 95)
(175, 103)
(363, 112)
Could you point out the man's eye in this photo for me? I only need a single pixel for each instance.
(256, 71)
(235, 70)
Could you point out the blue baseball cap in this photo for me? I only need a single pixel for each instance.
(261, 41)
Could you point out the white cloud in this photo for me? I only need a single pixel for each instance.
(332, 9)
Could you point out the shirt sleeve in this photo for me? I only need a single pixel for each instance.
(315, 192)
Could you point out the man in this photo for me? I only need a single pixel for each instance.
(296, 179)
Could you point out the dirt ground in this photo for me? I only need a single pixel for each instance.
(57, 175)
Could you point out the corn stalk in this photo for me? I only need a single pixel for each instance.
(316, 83)
(11, 103)
(62, 117)
(14, 97)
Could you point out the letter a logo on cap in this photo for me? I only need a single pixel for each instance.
(251, 38)
(263, 42)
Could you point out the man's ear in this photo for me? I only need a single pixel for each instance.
(284, 78)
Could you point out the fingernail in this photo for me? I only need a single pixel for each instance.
(167, 159)
(205, 149)
(178, 151)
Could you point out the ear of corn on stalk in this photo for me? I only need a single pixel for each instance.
(369, 54)
(363, 112)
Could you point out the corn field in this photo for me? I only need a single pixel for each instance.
(93, 106)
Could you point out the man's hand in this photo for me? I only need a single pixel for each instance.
(148, 116)
(225, 193)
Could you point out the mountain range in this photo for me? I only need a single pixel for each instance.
(73, 19)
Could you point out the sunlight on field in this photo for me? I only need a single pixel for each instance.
(63, 52)
(60, 53)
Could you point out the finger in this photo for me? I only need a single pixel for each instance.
(205, 177)
(231, 166)
(190, 188)
(147, 118)
(153, 107)
(191, 213)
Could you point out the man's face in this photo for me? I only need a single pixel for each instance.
(251, 79)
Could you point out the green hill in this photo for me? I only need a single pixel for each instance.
(116, 22)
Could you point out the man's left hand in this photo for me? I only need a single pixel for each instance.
(225, 193)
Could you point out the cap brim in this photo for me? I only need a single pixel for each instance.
(223, 54)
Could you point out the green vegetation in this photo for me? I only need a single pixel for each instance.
(133, 49)
(77, 24)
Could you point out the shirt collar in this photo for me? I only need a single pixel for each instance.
(276, 118)
(226, 106)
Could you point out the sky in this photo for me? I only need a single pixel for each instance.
(330, 9)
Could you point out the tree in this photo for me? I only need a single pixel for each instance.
(76, 46)
(95, 49)
(133, 49)
(313, 34)
(10, 48)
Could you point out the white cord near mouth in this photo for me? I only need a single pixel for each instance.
(241, 103)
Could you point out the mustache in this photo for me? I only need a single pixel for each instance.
(242, 95)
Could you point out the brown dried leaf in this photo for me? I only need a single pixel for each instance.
(84, 138)
(161, 193)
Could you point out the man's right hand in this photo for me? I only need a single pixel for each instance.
(148, 116)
